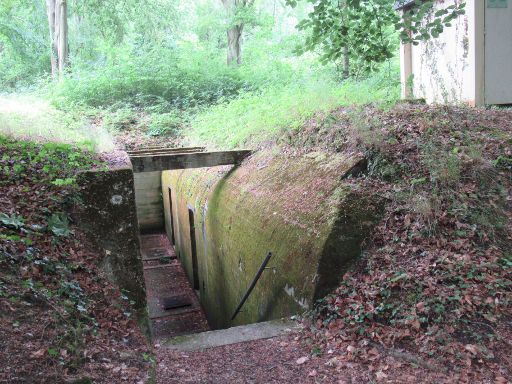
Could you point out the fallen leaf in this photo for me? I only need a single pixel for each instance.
(471, 348)
(332, 362)
(380, 375)
(38, 353)
(302, 360)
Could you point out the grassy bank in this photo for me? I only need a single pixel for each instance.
(31, 117)
(254, 117)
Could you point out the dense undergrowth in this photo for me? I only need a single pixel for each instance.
(165, 79)
(199, 106)
(160, 72)
(60, 319)
(434, 283)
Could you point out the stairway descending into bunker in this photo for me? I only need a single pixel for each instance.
(173, 306)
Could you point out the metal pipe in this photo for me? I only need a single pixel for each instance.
(253, 284)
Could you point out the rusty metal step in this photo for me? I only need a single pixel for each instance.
(178, 301)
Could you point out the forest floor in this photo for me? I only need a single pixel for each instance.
(289, 359)
(429, 300)
(61, 321)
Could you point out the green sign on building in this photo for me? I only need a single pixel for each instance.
(497, 3)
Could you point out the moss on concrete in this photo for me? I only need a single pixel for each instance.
(298, 208)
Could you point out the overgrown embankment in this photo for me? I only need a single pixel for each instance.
(60, 319)
(434, 284)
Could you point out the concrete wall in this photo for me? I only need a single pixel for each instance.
(148, 195)
(300, 209)
(498, 53)
(448, 68)
(107, 215)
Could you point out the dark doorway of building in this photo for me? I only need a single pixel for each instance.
(172, 216)
(193, 249)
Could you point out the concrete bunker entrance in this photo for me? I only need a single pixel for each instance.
(169, 240)
(223, 221)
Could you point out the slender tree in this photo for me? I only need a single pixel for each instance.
(57, 11)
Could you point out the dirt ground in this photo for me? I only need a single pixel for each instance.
(287, 359)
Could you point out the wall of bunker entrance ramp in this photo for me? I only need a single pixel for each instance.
(148, 198)
(301, 209)
(108, 216)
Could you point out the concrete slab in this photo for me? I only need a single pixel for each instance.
(163, 281)
(234, 335)
(166, 280)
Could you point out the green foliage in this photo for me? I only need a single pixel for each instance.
(503, 162)
(120, 119)
(24, 54)
(423, 21)
(364, 28)
(13, 221)
(29, 117)
(156, 76)
(59, 225)
(47, 162)
(170, 77)
(258, 116)
(166, 123)
(244, 13)
(95, 28)
(63, 182)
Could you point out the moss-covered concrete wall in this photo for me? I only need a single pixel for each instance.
(301, 209)
(107, 214)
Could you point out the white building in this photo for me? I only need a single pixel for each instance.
(470, 62)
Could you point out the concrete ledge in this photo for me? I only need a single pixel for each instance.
(234, 335)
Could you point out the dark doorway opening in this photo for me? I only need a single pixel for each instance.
(172, 216)
(193, 249)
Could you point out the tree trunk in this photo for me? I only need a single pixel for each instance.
(63, 36)
(50, 9)
(234, 47)
(342, 4)
(234, 34)
(346, 63)
(58, 26)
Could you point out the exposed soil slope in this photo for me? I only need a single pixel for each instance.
(60, 320)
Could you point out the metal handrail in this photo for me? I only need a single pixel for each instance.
(253, 284)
